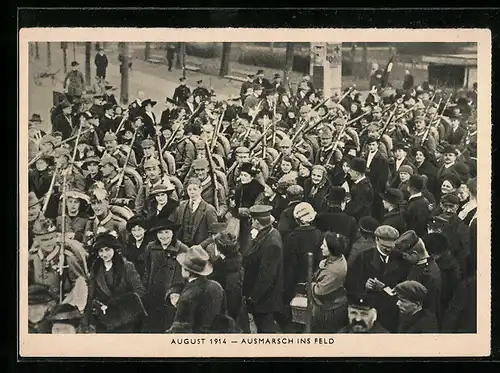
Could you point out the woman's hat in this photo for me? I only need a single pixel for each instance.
(106, 240)
(454, 180)
(164, 224)
(249, 168)
(36, 118)
(226, 242)
(368, 224)
(136, 220)
(393, 195)
(421, 149)
(147, 102)
(74, 63)
(336, 194)
(162, 188)
(196, 260)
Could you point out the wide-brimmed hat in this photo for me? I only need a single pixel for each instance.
(36, 118)
(64, 313)
(164, 224)
(106, 239)
(162, 188)
(393, 195)
(196, 260)
(148, 102)
(139, 220)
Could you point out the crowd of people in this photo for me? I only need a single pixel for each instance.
(203, 220)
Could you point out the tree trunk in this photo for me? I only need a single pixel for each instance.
(354, 71)
(224, 63)
(147, 51)
(37, 52)
(182, 53)
(49, 55)
(271, 47)
(288, 62)
(124, 72)
(88, 48)
(178, 62)
(65, 58)
(366, 70)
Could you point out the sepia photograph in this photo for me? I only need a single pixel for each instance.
(254, 195)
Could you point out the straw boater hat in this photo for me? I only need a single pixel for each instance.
(196, 260)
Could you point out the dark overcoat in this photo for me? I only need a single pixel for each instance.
(395, 219)
(461, 314)
(286, 222)
(263, 265)
(337, 221)
(361, 199)
(416, 215)
(424, 321)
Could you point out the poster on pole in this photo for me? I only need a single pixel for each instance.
(334, 55)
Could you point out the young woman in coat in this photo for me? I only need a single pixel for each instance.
(112, 280)
(316, 188)
(135, 248)
(161, 271)
(249, 192)
(329, 296)
(162, 206)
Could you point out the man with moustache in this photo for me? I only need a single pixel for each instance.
(362, 315)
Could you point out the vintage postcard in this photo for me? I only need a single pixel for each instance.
(254, 192)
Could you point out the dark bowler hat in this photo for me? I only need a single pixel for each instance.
(106, 240)
(277, 76)
(393, 195)
(74, 63)
(196, 260)
(411, 290)
(36, 118)
(368, 224)
(165, 224)
(147, 102)
(109, 87)
(64, 313)
(358, 164)
(336, 194)
(136, 220)
(260, 211)
(363, 301)
(40, 294)
(449, 149)
(416, 182)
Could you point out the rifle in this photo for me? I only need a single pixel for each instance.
(216, 132)
(213, 176)
(172, 138)
(160, 155)
(388, 121)
(121, 123)
(49, 192)
(426, 133)
(63, 243)
(122, 173)
(273, 141)
(428, 106)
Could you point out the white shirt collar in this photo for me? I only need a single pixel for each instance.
(468, 207)
(361, 178)
(419, 194)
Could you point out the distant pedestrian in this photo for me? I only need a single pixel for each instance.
(101, 64)
(170, 56)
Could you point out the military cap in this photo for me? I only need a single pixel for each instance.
(361, 300)
(249, 168)
(393, 195)
(260, 71)
(368, 224)
(147, 143)
(43, 226)
(48, 139)
(89, 160)
(413, 291)
(200, 163)
(107, 159)
(76, 194)
(358, 164)
(62, 152)
(294, 191)
(242, 150)
(406, 168)
(64, 313)
(40, 294)
(437, 220)
(162, 188)
(98, 193)
(339, 122)
(326, 133)
(151, 162)
(451, 199)
(416, 182)
(411, 244)
(33, 199)
(305, 109)
(260, 211)
(286, 141)
(420, 118)
(109, 136)
(386, 235)
(65, 104)
(372, 137)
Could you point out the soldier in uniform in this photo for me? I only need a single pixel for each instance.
(362, 315)
(124, 194)
(118, 151)
(74, 177)
(420, 130)
(168, 114)
(200, 90)
(74, 83)
(104, 220)
(44, 265)
(181, 93)
(77, 204)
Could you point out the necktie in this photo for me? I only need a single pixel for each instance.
(192, 205)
